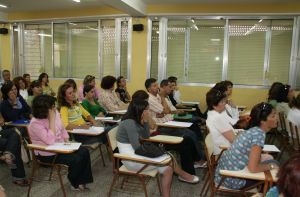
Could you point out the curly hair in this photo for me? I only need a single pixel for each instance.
(41, 105)
(16, 81)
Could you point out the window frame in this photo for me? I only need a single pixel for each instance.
(162, 52)
(19, 25)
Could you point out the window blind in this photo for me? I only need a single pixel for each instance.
(154, 49)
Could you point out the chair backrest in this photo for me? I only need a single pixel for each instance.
(294, 134)
(209, 148)
(282, 122)
(209, 145)
(112, 138)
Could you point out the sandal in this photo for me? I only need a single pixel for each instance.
(22, 183)
(194, 181)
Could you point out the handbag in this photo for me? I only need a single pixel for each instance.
(148, 149)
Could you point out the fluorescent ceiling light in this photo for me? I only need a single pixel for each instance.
(215, 40)
(260, 20)
(46, 35)
(3, 6)
(77, 1)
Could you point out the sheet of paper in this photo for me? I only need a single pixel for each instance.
(104, 118)
(64, 146)
(121, 111)
(156, 159)
(91, 130)
(190, 102)
(270, 148)
(178, 124)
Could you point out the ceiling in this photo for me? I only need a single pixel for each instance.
(39, 5)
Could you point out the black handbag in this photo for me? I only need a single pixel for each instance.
(148, 149)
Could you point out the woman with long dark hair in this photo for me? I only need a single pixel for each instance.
(44, 80)
(246, 150)
(134, 125)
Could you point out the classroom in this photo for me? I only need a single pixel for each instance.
(102, 97)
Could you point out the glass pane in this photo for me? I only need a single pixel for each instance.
(154, 49)
(61, 50)
(206, 50)
(17, 68)
(38, 49)
(176, 48)
(84, 50)
(280, 51)
(246, 51)
(124, 48)
(108, 35)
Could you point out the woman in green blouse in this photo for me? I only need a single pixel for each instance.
(90, 103)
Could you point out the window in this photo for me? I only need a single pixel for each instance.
(74, 49)
(206, 51)
(61, 55)
(154, 49)
(251, 52)
(176, 48)
(84, 49)
(246, 51)
(37, 49)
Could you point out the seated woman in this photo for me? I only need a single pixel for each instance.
(73, 115)
(279, 97)
(219, 126)
(44, 80)
(34, 90)
(134, 125)
(230, 108)
(13, 106)
(288, 181)
(188, 161)
(294, 113)
(10, 153)
(46, 128)
(26, 76)
(90, 103)
(74, 85)
(89, 80)
(247, 148)
(121, 90)
(21, 85)
(108, 98)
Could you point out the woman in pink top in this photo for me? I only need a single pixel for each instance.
(88, 80)
(46, 128)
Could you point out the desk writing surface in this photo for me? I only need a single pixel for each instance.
(175, 124)
(44, 148)
(246, 174)
(118, 112)
(92, 131)
(167, 139)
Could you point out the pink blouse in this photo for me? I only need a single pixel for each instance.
(41, 134)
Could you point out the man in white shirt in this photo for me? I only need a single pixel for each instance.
(160, 115)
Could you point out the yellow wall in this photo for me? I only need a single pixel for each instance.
(5, 50)
(241, 96)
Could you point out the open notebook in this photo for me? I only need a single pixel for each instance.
(91, 130)
(178, 124)
(64, 146)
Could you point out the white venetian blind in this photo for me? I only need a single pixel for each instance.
(280, 51)
(37, 49)
(84, 49)
(60, 50)
(108, 36)
(154, 49)
(246, 51)
(206, 51)
(176, 48)
(124, 48)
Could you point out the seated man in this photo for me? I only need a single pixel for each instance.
(165, 91)
(160, 115)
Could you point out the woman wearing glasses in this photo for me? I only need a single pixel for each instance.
(246, 150)
(89, 80)
(219, 126)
